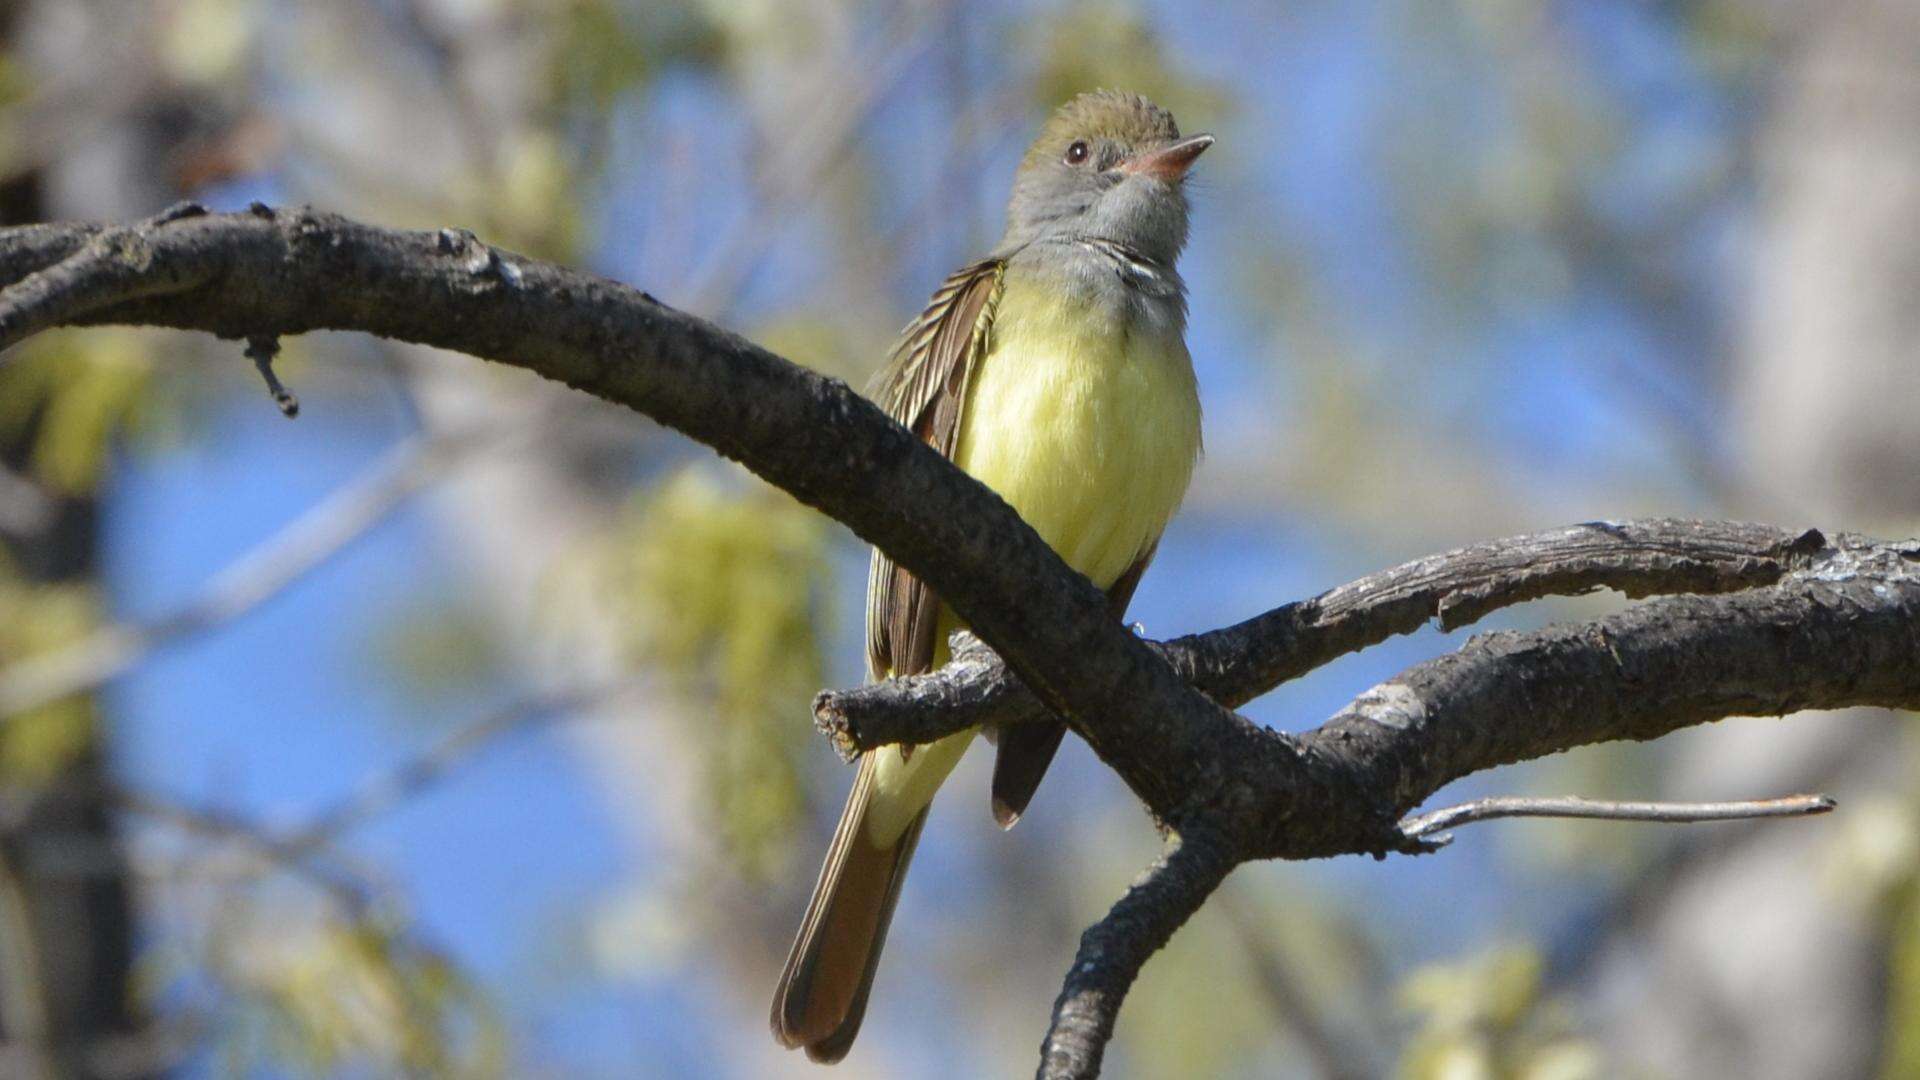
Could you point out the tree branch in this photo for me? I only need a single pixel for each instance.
(269, 273)
(1236, 664)
(1843, 630)
(1839, 625)
(1113, 950)
(1757, 620)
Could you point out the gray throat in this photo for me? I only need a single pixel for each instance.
(1110, 275)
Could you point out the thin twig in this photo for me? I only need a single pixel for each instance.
(250, 581)
(1431, 827)
(351, 895)
(1689, 854)
(262, 349)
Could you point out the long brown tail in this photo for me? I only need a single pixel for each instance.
(822, 995)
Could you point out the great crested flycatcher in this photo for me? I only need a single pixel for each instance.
(1055, 372)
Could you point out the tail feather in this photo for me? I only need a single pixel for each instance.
(1024, 753)
(1026, 750)
(822, 996)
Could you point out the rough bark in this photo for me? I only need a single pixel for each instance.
(1767, 621)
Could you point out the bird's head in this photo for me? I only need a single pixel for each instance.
(1108, 165)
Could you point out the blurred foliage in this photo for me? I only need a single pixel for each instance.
(437, 654)
(823, 344)
(1875, 864)
(1192, 1013)
(1606, 850)
(1095, 44)
(724, 583)
(642, 932)
(597, 54)
(210, 42)
(74, 393)
(602, 50)
(332, 996)
(37, 619)
(1736, 39)
(1485, 1019)
(16, 87)
(1234, 981)
(531, 202)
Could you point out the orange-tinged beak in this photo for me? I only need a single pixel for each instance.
(1170, 162)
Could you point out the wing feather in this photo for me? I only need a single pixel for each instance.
(924, 386)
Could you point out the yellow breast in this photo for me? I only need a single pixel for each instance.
(1085, 424)
(1088, 426)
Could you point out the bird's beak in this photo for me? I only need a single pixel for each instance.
(1168, 163)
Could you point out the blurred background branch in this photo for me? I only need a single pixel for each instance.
(252, 580)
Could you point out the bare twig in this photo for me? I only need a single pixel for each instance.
(113, 264)
(291, 272)
(250, 581)
(261, 349)
(1639, 674)
(1432, 826)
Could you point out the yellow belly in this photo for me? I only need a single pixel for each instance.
(1090, 432)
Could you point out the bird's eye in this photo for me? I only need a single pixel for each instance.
(1077, 153)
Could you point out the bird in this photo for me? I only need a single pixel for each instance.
(1054, 371)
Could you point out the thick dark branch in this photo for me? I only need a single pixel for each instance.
(1842, 631)
(1839, 625)
(268, 273)
(1113, 950)
(1775, 621)
(1236, 664)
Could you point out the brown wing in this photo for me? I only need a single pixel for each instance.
(823, 992)
(924, 386)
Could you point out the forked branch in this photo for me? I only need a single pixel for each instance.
(1753, 620)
